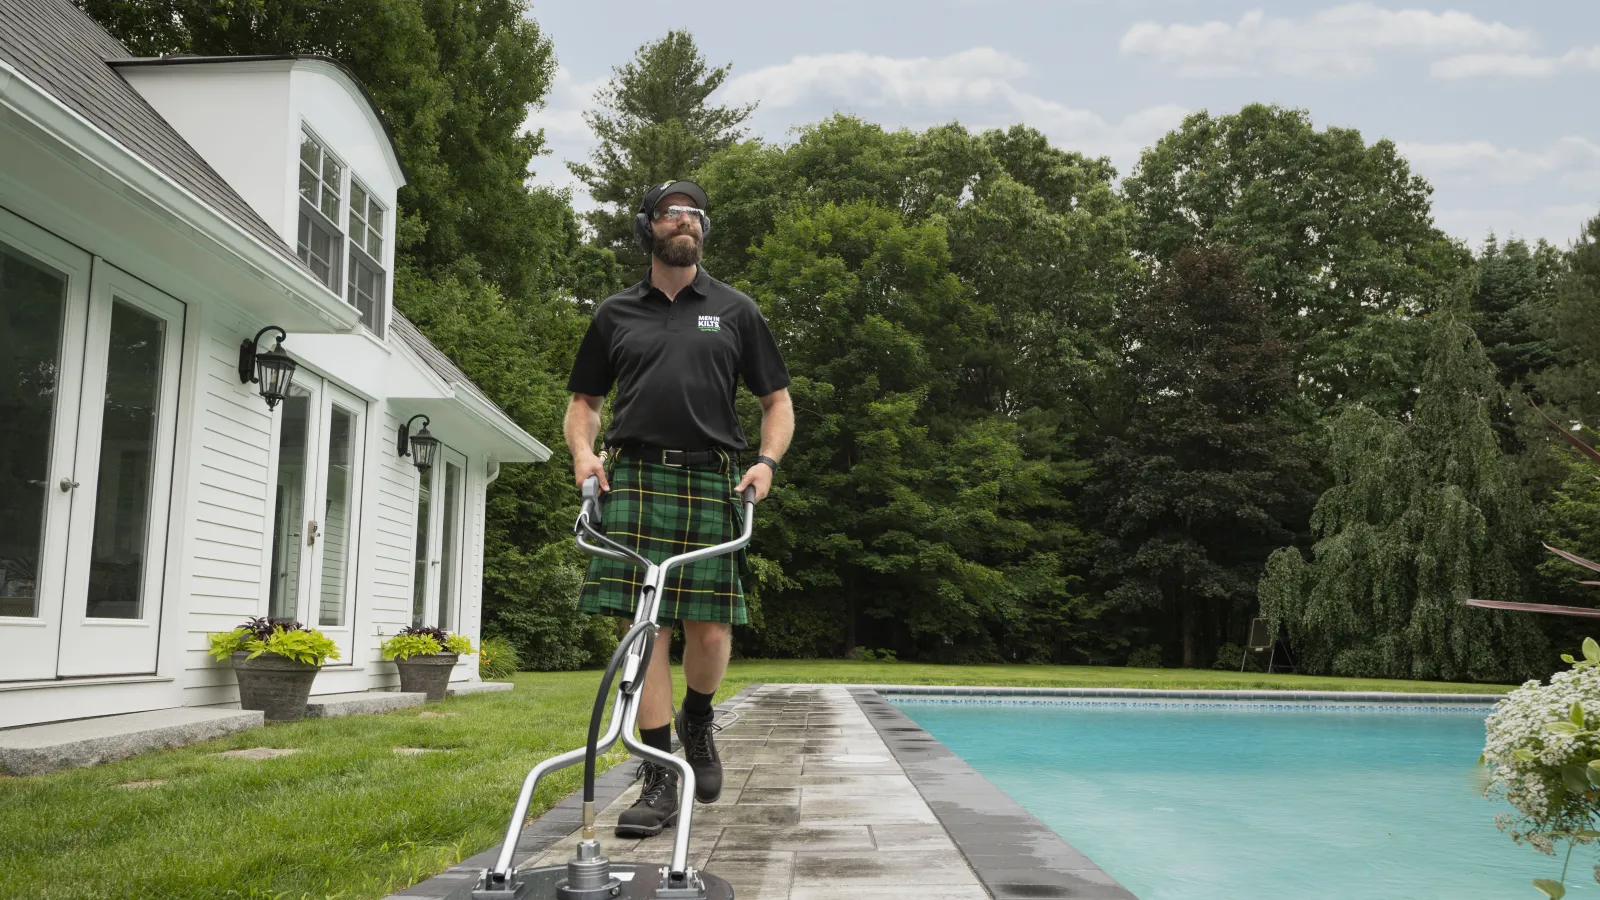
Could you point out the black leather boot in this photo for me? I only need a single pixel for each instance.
(701, 752)
(657, 806)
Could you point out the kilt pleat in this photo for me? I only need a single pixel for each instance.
(661, 511)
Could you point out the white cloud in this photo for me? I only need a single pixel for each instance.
(562, 114)
(1571, 162)
(977, 75)
(1341, 41)
(1517, 65)
(1557, 223)
(977, 86)
(567, 135)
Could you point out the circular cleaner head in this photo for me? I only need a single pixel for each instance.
(634, 882)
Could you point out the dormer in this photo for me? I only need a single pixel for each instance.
(302, 142)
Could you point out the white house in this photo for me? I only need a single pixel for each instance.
(155, 216)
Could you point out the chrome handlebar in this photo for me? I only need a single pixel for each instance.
(589, 517)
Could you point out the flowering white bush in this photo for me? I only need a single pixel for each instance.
(1543, 752)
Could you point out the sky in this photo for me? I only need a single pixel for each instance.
(1496, 104)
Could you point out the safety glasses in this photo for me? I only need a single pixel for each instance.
(674, 213)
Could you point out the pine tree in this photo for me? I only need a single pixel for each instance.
(1423, 513)
(654, 124)
(1197, 488)
(1516, 284)
(1572, 331)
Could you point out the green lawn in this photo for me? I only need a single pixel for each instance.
(348, 818)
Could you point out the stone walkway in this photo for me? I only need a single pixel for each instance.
(813, 807)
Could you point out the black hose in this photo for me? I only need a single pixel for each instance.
(600, 703)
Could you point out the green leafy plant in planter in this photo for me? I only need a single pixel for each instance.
(276, 660)
(425, 657)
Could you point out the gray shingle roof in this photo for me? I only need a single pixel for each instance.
(67, 53)
(433, 357)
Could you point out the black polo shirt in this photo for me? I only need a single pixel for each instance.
(676, 364)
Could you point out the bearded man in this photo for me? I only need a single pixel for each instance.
(675, 345)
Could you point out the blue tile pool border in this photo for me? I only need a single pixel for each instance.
(1321, 698)
(1016, 856)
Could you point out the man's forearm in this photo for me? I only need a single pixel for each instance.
(777, 426)
(582, 425)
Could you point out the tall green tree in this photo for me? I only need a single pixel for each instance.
(891, 536)
(1423, 513)
(654, 123)
(1571, 332)
(1015, 362)
(1511, 304)
(1340, 236)
(1208, 476)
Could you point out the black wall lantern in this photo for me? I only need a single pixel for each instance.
(423, 446)
(273, 369)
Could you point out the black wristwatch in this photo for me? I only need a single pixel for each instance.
(772, 463)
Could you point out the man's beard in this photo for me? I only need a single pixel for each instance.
(676, 253)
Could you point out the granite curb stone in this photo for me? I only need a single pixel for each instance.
(463, 688)
(332, 706)
(42, 749)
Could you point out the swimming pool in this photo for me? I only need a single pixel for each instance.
(1228, 801)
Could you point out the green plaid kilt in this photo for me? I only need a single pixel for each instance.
(661, 511)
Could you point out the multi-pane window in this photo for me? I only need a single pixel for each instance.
(366, 221)
(321, 182)
(321, 177)
(365, 290)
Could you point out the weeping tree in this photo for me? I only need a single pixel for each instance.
(1423, 513)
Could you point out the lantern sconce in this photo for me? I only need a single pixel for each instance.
(272, 369)
(422, 445)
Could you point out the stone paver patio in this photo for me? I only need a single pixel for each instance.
(813, 804)
(827, 794)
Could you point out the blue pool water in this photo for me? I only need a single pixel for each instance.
(1240, 803)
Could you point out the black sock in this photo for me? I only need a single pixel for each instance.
(696, 704)
(659, 738)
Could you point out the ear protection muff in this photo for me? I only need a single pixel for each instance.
(643, 233)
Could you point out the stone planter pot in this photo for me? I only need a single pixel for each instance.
(276, 685)
(427, 674)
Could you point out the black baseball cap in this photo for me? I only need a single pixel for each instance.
(689, 188)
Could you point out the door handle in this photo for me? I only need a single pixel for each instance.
(311, 532)
(67, 484)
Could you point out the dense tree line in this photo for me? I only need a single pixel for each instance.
(1046, 411)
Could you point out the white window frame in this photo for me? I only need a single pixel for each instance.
(313, 218)
(364, 261)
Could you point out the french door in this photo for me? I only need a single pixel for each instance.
(441, 504)
(89, 361)
(320, 437)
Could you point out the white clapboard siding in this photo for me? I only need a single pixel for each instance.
(228, 512)
(387, 582)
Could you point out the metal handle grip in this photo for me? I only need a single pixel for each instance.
(591, 497)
